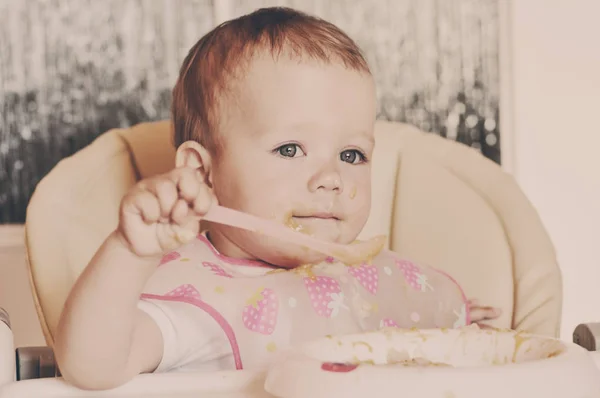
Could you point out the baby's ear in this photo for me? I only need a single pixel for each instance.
(193, 155)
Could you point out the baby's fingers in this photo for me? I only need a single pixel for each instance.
(166, 194)
(194, 191)
(203, 201)
(144, 204)
(181, 212)
(189, 183)
(484, 313)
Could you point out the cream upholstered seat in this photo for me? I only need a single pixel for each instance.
(439, 202)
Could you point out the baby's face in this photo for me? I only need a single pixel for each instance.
(298, 139)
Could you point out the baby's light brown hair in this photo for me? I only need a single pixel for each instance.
(222, 54)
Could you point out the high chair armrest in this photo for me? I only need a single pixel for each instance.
(587, 335)
(35, 363)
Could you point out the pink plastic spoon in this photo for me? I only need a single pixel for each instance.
(351, 254)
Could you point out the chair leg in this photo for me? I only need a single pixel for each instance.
(587, 335)
(35, 363)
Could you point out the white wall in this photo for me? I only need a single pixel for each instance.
(554, 61)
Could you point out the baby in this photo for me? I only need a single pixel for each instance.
(273, 115)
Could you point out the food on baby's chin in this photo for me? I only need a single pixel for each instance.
(369, 249)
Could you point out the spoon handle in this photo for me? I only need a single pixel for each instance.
(233, 218)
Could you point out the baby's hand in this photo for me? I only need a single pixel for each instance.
(480, 314)
(163, 212)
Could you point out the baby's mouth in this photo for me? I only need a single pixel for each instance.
(317, 216)
(310, 223)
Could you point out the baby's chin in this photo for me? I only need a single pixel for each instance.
(294, 259)
(281, 253)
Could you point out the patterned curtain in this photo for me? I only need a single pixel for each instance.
(72, 69)
(435, 62)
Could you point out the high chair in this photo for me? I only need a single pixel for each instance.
(438, 201)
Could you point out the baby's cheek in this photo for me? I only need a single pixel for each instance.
(358, 199)
(353, 191)
(356, 216)
(360, 195)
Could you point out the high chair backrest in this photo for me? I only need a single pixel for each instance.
(439, 202)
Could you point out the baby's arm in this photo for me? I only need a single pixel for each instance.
(103, 339)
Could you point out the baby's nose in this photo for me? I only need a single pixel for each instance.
(327, 180)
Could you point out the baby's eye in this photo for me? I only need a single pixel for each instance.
(290, 150)
(353, 156)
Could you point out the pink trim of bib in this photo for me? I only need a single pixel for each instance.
(462, 293)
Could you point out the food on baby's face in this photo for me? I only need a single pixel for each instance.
(293, 224)
(353, 193)
(360, 251)
(303, 220)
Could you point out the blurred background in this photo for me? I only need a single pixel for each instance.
(72, 69)
(518, 80)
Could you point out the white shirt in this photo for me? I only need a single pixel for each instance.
(192, 339)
